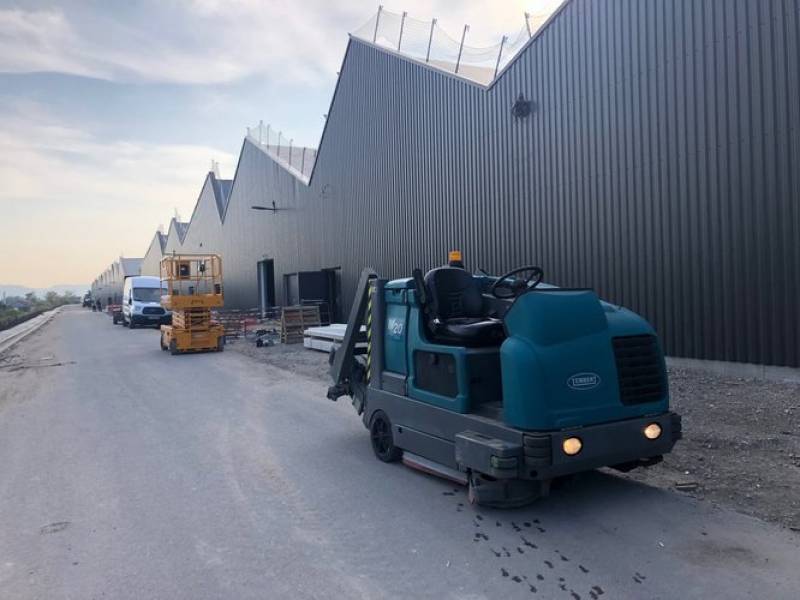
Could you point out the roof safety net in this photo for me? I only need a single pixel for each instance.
(427, 42)
(297, 159)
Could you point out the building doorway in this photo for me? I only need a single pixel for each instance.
(335, 291)
(313, 288)
(266, 285)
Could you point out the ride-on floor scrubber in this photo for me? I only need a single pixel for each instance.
(503, 383)
(193, 284)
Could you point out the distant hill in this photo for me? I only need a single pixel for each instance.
(20, 290)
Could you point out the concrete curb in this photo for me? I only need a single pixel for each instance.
(25, 329)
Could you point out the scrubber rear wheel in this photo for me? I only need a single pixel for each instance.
(380, 434)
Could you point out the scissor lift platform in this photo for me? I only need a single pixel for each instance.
(194, 286)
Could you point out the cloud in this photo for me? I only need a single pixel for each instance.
(219, 41)
(34, 41)
(39, 152)
(194, 43)
(71, 197)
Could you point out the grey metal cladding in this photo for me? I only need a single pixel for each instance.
(152, 258)
(659, 166)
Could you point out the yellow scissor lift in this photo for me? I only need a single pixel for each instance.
(193, 285)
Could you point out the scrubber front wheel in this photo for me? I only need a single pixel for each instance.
(380, 434)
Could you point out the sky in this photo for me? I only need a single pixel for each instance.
(111, 111)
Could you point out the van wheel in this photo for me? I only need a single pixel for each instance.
(380, 434)
(163, 347)
(173, 348)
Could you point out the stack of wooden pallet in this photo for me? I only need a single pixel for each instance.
(295, 320)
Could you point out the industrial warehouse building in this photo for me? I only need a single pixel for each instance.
(649, 150)
(107, 287)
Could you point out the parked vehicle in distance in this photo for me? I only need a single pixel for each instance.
(115, 310)
(87, 301)
(141, 302)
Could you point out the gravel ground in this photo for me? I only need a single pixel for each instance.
(741, 445)
(290, 357)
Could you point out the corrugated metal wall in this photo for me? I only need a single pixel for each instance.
(660, 167)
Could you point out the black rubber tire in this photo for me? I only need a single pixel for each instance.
(161, 343)
(173, 348)
(382, 439)
(221, 343)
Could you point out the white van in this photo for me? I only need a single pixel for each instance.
(141, 302)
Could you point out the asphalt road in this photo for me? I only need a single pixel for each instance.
(129, 473)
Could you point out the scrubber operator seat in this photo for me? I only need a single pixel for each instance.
(456, 311)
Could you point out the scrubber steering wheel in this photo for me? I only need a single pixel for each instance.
(518, 286)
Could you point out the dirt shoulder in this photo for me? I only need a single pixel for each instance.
(741, 445)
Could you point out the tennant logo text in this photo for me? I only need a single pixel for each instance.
(584, 381)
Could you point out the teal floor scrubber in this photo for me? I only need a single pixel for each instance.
(502, 383)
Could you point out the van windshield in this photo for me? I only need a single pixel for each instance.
(147, 294)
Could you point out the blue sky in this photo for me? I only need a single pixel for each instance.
(111, 111)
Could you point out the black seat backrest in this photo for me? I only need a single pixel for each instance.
(420, 288)
(454, 293)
